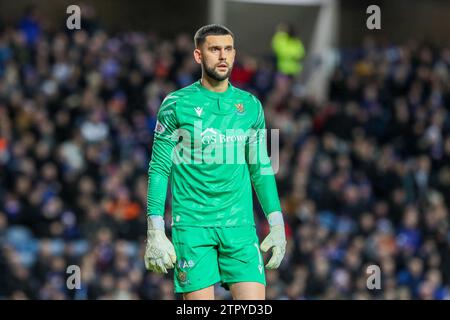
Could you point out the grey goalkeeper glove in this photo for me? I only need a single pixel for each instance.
(276, 239)
(159, 253)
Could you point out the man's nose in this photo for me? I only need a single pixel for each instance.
(222, 54)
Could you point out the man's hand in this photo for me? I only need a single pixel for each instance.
(159, 253)
(276, 239)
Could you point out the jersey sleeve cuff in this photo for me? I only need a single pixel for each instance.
(275, 218)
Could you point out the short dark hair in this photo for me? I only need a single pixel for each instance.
(210, 30)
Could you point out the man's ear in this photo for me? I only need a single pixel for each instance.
(198, 56)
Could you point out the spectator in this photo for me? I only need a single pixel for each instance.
(288, 49)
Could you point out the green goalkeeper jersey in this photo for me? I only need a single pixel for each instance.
(212, 147)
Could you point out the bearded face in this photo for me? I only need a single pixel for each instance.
(216, 56)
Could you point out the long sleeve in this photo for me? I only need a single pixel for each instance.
(260, 167)
(165, 139)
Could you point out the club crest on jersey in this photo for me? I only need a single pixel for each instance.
(239, 107)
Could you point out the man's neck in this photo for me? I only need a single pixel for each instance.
(214, 85)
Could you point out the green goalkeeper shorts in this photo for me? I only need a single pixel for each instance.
(208, 255)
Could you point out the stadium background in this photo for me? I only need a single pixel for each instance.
(364, 142)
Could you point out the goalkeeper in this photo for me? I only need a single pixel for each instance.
(210, 142)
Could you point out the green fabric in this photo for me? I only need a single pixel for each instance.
(289, 52)
(193, 129)
(206, 256)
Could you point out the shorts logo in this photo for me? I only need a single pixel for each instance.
(182, 275)
(183, 264)
(260, 265)
(159, 128)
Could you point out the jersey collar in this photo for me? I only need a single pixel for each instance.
(213, 94)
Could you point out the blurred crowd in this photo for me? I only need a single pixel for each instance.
(364, 177)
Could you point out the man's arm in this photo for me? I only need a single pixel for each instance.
(260, 167)
(165, 139)
(160, 253)
(263, 179)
